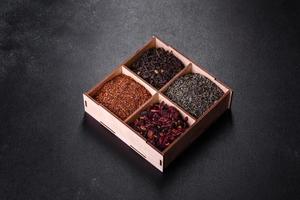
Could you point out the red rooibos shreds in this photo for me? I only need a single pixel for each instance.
(122, 95)
(160, 124)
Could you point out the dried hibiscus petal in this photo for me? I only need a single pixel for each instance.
(160, 124)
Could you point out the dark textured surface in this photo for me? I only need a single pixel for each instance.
(52, 51)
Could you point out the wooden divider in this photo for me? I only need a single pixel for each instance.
(138, 79)
(175, 77)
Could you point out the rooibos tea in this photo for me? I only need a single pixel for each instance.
(122, 95)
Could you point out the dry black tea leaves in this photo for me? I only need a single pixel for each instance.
(194, 93)
(160, 124)
(122, 95)
(157, 66)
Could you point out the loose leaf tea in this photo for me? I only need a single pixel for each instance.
(122, 95)
(160, 124)
(157, 66)
(194, 93)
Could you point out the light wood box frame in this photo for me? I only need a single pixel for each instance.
(121, 129)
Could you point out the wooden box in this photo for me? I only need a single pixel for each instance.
(121, 129)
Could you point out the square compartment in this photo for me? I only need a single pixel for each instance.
(156, 43)
(158, 98)
(120, 70)
(192, 68)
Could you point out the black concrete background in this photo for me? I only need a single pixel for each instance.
(52, 51)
